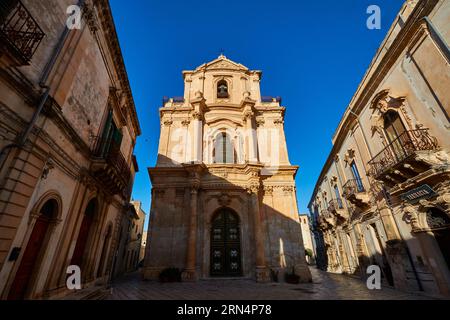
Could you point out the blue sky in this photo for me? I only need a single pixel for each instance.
(312, 53)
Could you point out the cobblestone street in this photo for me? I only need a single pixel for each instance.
(325, 286)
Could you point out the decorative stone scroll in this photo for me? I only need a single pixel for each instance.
(382, 103)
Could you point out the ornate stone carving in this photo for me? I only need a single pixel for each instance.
(224, 199)
(334, 180)
(410, 216)
(185, 123)
(433, 158)
(247, 115)
(278, 122)
(253, 188)
(268, 190)
(90, 18)
(260, 122)
(167, 122)
(381, 104)
(195, 185)
(349, 156)
(48, 166)
(437, 220)
(383, 101)
(197, 116)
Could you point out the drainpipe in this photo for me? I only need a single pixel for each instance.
(44, 97)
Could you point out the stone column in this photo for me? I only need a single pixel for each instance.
(190, 273)
(250, 130)
(198, 137)
(387, 218)
(262, 273)
(197, 117)
(164, 152)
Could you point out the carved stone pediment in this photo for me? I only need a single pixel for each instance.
(349, 155)
(382, 103)
(222, 63)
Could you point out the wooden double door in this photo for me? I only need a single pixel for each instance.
(225, 245)
(33, 252)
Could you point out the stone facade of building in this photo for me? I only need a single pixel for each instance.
(68, 128)
(307, 238)
(383, 196)
(143, 245)
(223, 197)
(136, 233)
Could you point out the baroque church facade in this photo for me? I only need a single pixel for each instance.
(223, 189)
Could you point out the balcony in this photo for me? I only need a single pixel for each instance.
(336, 207)
(267, 99)
(20, 35)
(405, 157)
(110, 167)
(326, 220)
(355, 192)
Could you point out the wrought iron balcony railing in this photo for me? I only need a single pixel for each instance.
(107, 150)
(19, 29)
(353, 186)
(270, 99)
(405, 145)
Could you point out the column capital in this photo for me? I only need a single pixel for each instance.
(197, 116)
(253, 188)
(195, 187)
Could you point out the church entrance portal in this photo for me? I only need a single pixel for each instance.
(225, 244)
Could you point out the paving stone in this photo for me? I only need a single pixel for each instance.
(325, 286)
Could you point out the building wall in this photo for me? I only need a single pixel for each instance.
(57, 159)
(306, 236)
(136, 234)
(407, 77)
(143, 245)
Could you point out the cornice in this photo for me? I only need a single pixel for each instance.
(377, 71)
(53, 110)
(107, 23)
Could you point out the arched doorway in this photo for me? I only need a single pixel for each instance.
(35, 247)
(439, 222)
(83, 235)
(225, 244)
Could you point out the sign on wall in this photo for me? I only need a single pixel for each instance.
(414, 195)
